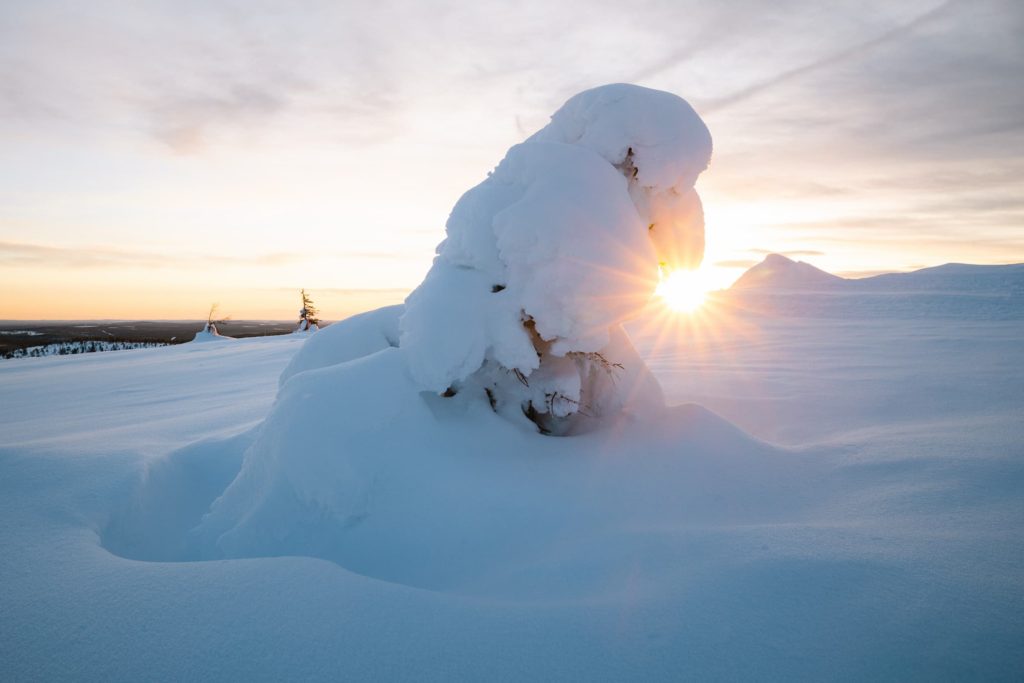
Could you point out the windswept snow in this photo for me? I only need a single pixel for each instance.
(147, 401)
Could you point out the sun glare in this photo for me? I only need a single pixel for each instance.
(683, 291)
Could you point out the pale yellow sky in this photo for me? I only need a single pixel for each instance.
(155, 159)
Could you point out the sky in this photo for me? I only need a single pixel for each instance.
(157, 157)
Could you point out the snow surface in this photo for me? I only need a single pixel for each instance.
(427, 538)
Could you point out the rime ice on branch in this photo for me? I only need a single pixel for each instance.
(546, 258)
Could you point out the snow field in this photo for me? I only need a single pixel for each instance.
(882, 549)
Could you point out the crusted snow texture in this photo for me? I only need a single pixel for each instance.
(559, 245)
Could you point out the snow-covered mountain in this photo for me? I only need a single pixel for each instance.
(777, 273)
(951, 277)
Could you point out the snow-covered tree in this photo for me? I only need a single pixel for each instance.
(210, 331)
(546, 258)
(212, 322)
(308, 320)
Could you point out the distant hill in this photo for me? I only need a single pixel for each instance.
(776, 273)
(951, 277)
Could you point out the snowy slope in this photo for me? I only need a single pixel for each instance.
(952, 277)
(776, 272)
(882, 543)
(779, 273)
(779, 286)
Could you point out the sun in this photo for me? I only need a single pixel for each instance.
(683, 291)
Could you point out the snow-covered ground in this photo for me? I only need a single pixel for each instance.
(851, 509)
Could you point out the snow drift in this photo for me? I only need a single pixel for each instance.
(347, 340)
(209, 333)
(442, 493)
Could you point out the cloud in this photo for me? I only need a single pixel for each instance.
(182, 122)
(354, 71)
(853, 51)
(938, 87)
(887, 121)
(40, 255)
(45, 256)
(191, 78)
(794, 252)
(384, 291)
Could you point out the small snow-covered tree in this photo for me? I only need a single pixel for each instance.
(212, 320)
(545, 259)
(308, 319)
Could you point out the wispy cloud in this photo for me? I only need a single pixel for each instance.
(39, 255)
(831, 59)
(384, 291)
(791, 253)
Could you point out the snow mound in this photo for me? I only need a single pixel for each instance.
(546, 258)
(209, 333)
(443, 493)
(203, 336)
(346, 340)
